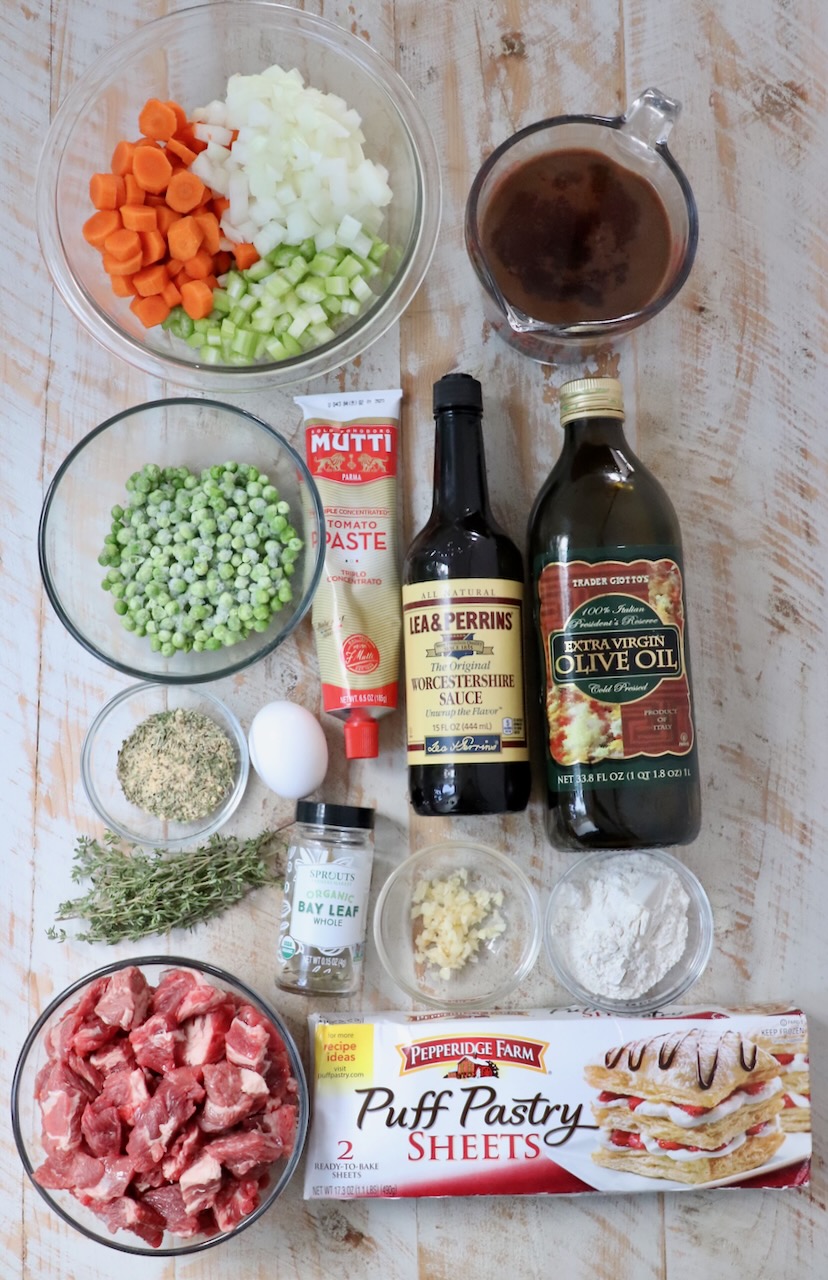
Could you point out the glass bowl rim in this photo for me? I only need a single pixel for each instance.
(587, 328)
(222, 975)
(691, 967)
(532, 938)
(158, 677)
(217, 817)
(338, 351)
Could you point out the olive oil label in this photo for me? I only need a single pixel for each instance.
(617, 702)
(464, 671)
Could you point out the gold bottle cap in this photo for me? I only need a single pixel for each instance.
(591, 398)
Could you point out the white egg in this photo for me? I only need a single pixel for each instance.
(288, 749)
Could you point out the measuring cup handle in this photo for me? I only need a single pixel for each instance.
(650, 118)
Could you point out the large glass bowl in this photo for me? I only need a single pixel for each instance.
(498, 965)
(107, 733)
(26, 1112)
(76, 519)
(189, 56)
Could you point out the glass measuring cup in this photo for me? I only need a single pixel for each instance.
(633, 147)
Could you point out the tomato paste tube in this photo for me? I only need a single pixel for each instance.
(351, 446)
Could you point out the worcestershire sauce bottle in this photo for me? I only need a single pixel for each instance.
(462, 610)
(608, 598)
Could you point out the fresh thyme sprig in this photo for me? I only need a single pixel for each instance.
(135, 892)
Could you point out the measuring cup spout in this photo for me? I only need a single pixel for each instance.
(650, 118)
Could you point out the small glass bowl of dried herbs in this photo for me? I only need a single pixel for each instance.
(164, 765)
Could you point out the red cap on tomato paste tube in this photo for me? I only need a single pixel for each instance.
(361, 735)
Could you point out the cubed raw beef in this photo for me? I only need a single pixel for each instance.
(204, 1036)
(243, 1150)
(128, 1214)
(59, 1038)
(200, 999)
(200, 1183)
(278, 1121)
(63, 1096)
(85, 1070)
(169, 1202)
(157, 1121)
(234, 1201)
(116, 1056)
(69, 1170)
(154, 1043)
(126, 1000)
(172, 989)
(232, 1093)
(182, 1151)
(91, 1035)
(247, 1044)
(101, 1127)
(113, 1182)
(126, 1090)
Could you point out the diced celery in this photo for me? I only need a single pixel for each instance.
(337, 286)
(310, 290)
(276, 285)
(236, 286)
(290, 345)
(258, 271)
(361, 289)
(348, 267)
(322, 264)
(275, 349)
(321, 333)
(221, 301)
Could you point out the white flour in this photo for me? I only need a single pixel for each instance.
(623, 928)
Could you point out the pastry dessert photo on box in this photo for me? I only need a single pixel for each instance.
(690, 1106)
(788, 1044)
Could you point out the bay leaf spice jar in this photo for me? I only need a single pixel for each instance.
(325, 904)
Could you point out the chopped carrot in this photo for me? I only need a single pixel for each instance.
(121, 266)
(210, 226)
(157, 120)
(222, 262)
(153, 246)
(179, 113)
(200, 265)
(150, 311)
(122, 244)
(122, 286)
(197, 299)
(185, 191)
(180, 149)
(171, 294)
(107, 190)
(220, 205)
(165, 217)
(101, 225)
(122, 157)
(154, 201)
(152, 169)
(246, 255)
(211, 281)
(149, 142)
(134, 193)
(139, 217)
(184, 238)
(187, 136)
(153, 279)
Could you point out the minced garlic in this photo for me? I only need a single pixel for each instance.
(454, 921)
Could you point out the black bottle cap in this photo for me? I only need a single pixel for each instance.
(458, 391)
(319, 814)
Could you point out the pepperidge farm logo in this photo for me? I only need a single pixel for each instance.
(473, 1056)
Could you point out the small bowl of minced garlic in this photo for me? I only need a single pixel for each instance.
(165, 765)
(457, 925)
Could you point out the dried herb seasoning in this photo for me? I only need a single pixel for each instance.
(177, 765)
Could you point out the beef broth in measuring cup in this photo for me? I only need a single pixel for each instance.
(580, 228)
(572, 236)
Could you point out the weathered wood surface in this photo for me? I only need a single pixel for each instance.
(726, 394)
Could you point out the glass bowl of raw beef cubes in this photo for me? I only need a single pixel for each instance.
(159, 1106)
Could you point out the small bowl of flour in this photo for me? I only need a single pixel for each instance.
(628, 932)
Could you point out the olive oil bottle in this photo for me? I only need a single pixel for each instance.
(609, 614)
(462, 628)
